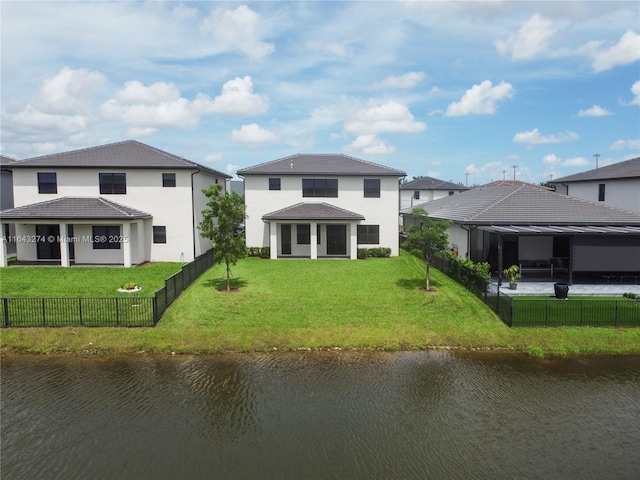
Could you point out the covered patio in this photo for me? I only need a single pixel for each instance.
(77, 230)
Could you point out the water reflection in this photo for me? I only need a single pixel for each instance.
(320, 415)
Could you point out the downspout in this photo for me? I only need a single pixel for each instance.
(193, 214)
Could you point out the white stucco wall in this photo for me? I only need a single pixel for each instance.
(381, 211)
(619, 193)
(171, 207)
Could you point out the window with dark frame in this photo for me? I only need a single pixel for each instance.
(159, 234)
(113, 183)
(416, 194)
(303, 233)
(371, 188)
(368, 234)
(451, 192)
(318, 230)
(274, 184)
(601, 189)
(168, 179)
(106, 237)
(320, 187)
(47, 182)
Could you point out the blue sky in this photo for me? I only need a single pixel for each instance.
(461, 91)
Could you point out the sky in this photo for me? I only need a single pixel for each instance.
(468, 92)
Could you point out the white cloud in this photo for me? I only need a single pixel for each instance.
(240, 29)
(371, 145)
(530, 41)
(635, 89)
(237, 98)
(551, 160)
(253, 135)
(382, 116)
(408, 80)
(214, 157)
(628, 144)
(146, 109)
(31, 121)
(69, 91)
(626, 51)
(534, 137)
(480, 99)
(594, 111)
(576, 162)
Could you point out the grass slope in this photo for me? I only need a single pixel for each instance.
(291, 304)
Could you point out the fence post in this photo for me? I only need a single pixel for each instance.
(80, 309)
(44, 314)
(117, 313)
(5, 304)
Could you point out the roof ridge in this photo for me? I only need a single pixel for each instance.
(497, 201)
(80, 150)
(115, 206)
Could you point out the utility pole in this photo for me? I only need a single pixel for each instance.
(514, 171)
(466, 179)
(597, 155)
(504, 174)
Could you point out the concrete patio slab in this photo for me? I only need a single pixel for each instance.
(546, 288)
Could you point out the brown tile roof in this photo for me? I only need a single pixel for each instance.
(312, 211)
(74, 208)
(626, 169)
(524, 205)
(127, 154)
(321, 164)
(430, 183)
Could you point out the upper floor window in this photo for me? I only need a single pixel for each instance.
(319, 187)
(368, 234)
(601, 192)
(47, 182)
(274, 184)
(371, 188)
(113, 183)
(168, 179)
(416, 194)
(451, 192)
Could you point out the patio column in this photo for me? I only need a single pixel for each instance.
(499, 259)
(126, 243)
(273, 239)
(314, 240)
(64, 246)
(353, 244)
(3, 245)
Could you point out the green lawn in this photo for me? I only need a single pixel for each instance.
(83, 281)
(298, 304)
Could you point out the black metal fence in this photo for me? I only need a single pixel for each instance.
(545, 311)
(102, 311)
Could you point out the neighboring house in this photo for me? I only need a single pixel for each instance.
(545, 232)
(119, 204)
(321, 205)
(617, 185)
(6, 200)
(426, 189)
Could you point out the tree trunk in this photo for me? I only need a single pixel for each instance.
(228, 278)
(428, 287)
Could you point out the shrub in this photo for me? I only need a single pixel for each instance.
(265, 252)
(632, 296)
(129, 286)
(376, 252)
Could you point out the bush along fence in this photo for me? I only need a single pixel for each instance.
(543, 311)
(102, 311)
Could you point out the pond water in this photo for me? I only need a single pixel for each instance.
(331, 415)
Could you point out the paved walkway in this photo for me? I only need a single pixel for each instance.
(546, 288)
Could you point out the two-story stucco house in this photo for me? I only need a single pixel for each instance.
(321, 205)
(118, 204)
(617, 185)
(426, 189)
(6, 199)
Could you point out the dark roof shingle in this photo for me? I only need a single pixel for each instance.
(626, 169)
(523, 204)
(127, 154)
(430, 183)
(321, 164)
(312, 211)
(74, 208)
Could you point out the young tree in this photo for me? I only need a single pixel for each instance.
(428, 237)
(221, 219)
